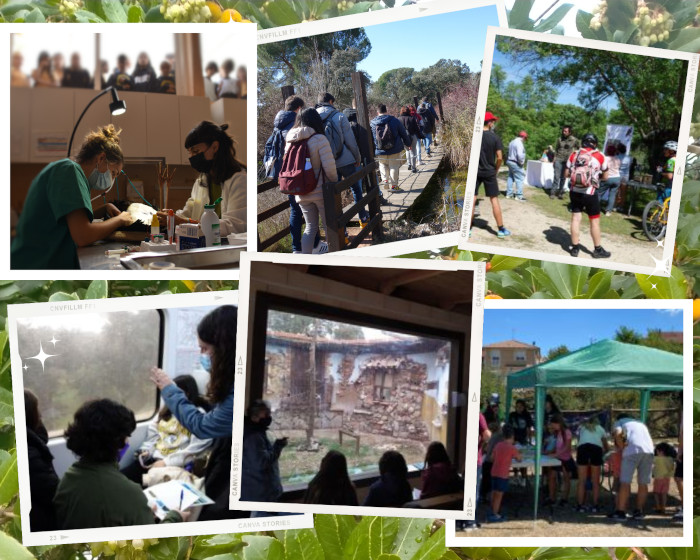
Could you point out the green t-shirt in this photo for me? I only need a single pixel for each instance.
(670, 168)
(43, 240)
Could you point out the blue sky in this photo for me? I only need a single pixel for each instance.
(419, 43)
(566, 94)
(575, 328)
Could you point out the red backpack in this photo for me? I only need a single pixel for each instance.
(297, 174)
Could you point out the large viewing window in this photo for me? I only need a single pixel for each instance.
(358, 386)
(69, 359)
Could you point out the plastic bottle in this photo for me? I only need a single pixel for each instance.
(210, 226)
(155, 226)
(171, 226)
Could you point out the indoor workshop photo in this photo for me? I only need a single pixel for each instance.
(129, 154)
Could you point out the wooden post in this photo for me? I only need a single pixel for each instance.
(415, 101)
(332, 207)
(286, 92)
(360, 93)
(439, 100)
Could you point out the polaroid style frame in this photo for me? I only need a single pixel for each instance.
(246, 49)
(637, 539)
(342, 23)
(160, 530)
(474, 369)
(656, 267)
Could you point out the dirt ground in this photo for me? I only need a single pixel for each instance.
(534, 230)
(565, 522)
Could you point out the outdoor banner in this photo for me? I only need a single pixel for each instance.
(621, 133)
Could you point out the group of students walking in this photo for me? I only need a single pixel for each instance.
(310, 146)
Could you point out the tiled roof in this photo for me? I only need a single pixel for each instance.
(511, 344)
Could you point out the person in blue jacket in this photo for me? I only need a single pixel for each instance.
(217, 341)
(390, 139)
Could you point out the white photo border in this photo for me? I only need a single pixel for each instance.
(686, 307)
(476, 320)
(161, 530)
(662, 267)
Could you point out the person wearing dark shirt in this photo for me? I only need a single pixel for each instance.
(392, 489)
(490, 160)
(43, 479)
(332, 485)
(522, 423)
(165, 83)
(439, 476)
(119, 79)
(143, 76)
(75, 76)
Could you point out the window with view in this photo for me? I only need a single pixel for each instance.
(70, 359)
(356, 389)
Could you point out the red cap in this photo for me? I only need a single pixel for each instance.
(490, 117)
(522, 134)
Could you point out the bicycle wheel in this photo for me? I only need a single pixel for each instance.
(654, 220)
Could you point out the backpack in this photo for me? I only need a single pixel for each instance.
(583, 172)
(297, 175)
(274, 152)
(332, 130)
(428, 122)
(383, 136)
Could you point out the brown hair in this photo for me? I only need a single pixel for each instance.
(405, 111)
(102, 141)
(31, 410)
(218, 328)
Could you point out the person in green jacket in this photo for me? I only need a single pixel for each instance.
(92, 492)
(57, 216)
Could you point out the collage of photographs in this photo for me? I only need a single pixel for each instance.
(467, 326)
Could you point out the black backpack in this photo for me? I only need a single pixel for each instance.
(332, 130)
(383, 136)
(274, 153)
(428, 121)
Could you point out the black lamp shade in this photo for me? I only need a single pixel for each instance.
(117, 106)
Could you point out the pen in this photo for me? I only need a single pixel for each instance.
(182, 494)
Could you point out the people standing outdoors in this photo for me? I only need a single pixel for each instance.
(562, 451)
(516, 166)
(411, 125)
(428, 119)
(419, 144)
(260, 478)
(362, 139)
(490, 161)
(586, 167)
(503, 454)
(308, 127)
(339, 135)
(390, 138)
(633, 437)
(608, 189)
(75, 76)
(592, 445)
(521, 420)
(566, 144)
(678, 474)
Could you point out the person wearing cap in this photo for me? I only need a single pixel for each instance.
(490, 160)
(516, 166)
(566, 144)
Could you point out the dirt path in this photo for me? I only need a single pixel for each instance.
(534, 230)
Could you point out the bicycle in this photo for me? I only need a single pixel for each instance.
(655, 215)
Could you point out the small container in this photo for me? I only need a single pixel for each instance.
(159, 238)
(155, 226)
(171, 225)
(211, 226)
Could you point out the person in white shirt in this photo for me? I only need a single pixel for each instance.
(516, 166)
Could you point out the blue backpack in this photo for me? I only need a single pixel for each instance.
(274, 153)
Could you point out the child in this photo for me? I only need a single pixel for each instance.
(664, 466)
(119, 78)
(228, 86)
(496, 437)
(562, 451)
(503, 454)
(165, 83)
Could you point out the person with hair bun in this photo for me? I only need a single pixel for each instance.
(213, 154)
(57, 217)
(92, 492)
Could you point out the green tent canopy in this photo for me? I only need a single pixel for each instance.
(606, 364)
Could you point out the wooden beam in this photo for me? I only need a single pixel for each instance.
(388, 286)
(189, 78)
(286, 92)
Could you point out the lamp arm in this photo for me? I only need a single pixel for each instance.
(75, 128)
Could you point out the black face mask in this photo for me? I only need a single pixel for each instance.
(200, 163)
(265, 422)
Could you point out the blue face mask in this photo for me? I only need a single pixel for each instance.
(205, 361)
(100, 181)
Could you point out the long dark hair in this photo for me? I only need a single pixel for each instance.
(218, 328)
(225, 162)
(188, 384)
(331, 485)
(436, 453)
(31, 410)
(309, 117)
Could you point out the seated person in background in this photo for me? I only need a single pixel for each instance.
(392, 489)
(168, 443)
(43, 479)
(503, 454)
(260, 479)
(228, 86)
(75, 76)
(332, 485)
(92, 492)
(439, 476)
(165, 83)
(119, 78)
